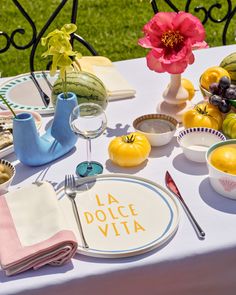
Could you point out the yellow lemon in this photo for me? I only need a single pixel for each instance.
(188, 85)
(224, 158)
(212, 75)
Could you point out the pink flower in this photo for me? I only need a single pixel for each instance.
(172, 37)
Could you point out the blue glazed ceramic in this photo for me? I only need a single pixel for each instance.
(34, 150)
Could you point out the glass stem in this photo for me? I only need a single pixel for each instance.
(89, 151)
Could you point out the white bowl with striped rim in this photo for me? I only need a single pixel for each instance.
(196, 141)
(158, 128)
(6, 169)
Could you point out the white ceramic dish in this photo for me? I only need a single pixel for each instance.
(222, 182)
(21, 93)
(11, 171)
(6, 114)
(196, 141)
(121, 215)
(205, 93)
(158, 128)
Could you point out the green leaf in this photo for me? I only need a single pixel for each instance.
(232, 102)
(59, 47)
(69, 28)
(7, 104)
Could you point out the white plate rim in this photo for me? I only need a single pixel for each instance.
(147, 248)
(4, 88)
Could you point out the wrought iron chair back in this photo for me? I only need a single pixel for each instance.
(36, 36)
(208, 13)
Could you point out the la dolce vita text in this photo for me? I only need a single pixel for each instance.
(113, 218)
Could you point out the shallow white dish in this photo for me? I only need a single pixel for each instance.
(6, 114)
(121, 215)
(222, 182)
(196, 141)
(158, 128)
(21, 93)
(11, 171)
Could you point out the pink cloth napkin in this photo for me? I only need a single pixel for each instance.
(33, 232)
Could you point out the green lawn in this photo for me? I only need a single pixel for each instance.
(112, 26)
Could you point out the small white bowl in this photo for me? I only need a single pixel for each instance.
(11, 171)
(222, 182)
(196, 141)
(158, 128)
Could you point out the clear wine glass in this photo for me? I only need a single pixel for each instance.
(88, 120)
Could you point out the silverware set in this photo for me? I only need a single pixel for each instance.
(71, 190)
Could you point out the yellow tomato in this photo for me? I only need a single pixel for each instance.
(188, 85)
(211, 75)
(224, 158)
(203, 115)
(129, 150)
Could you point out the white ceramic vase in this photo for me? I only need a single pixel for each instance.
(175, 99)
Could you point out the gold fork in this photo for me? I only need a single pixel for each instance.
(70, 190)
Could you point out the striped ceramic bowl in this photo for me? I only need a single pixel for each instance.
(7, 173)
(196, 141)
(158, 128)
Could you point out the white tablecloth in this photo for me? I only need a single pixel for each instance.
(184, 265)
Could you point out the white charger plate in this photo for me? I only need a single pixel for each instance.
(121, 215)
(21, 93)
(38, 121)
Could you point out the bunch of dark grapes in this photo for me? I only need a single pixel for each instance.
(222, 93)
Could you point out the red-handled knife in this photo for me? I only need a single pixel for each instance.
(174, 189)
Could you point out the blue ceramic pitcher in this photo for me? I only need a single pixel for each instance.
(35, 150)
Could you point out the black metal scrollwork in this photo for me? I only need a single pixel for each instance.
(10, 39)
(8, 42)
(34, 41)
(207, 13)
(22, 31)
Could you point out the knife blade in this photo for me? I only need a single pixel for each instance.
(171, 185)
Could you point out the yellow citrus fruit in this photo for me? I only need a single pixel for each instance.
(224, 158)
(188, 85)
(212, 75)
